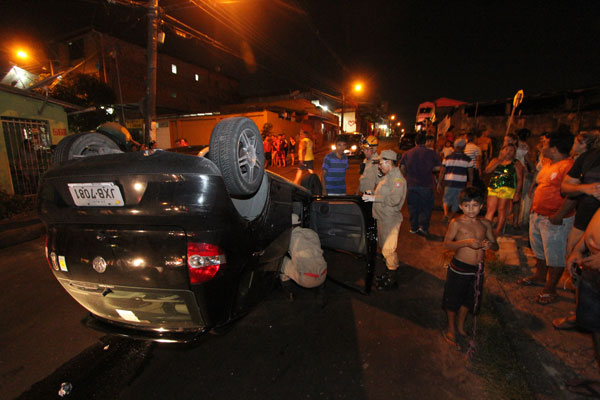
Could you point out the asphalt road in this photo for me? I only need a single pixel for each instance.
(384, 346)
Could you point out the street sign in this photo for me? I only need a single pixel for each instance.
(518, 98)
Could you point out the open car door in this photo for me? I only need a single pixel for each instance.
(348, 237)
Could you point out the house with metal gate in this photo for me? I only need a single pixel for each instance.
(30, 125)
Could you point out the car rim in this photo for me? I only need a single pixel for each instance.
(247, 158)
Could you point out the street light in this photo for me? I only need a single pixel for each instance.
(23, 55)
(356, 88)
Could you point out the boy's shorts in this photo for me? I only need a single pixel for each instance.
(459, 289)
(305, 165)
(549, 242)
(451, 197)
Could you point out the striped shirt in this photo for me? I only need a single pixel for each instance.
(473, 151)
(334, 172)
(456, 167)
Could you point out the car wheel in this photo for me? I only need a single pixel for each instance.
(313, 184)
(236, 148)
(83, 145)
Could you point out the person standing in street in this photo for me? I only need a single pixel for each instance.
(293, 149)
(369, 169)
(335, 165)
(484, 143)
(585, 260)
(473, 151)
(469, 236)
(388, 200)
(504, 186)
(418, 166)
(455, 175)
(268, 146)
(306, 158)
(551, 218)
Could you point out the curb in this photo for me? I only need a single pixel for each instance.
(21, 232)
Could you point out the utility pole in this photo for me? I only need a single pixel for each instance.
(151, 50)
(343, 101)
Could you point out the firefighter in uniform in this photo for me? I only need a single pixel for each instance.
(388, 200)
(369, 172)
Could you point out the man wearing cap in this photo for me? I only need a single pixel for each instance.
(369, 171)
(387, 205)
(418, 165)
(455, 175)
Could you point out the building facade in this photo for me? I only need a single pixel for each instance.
(30, 125)
(181, 87)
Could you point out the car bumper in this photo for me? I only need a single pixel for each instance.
(136, 308)
(162, 336)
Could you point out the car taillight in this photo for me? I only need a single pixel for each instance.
(204, 261)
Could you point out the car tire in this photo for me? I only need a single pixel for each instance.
(83, 145)
(313, 184)
(236, 148)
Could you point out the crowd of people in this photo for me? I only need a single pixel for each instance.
(555, 192)
(277, 148)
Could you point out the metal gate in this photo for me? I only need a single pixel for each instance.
(28, 144)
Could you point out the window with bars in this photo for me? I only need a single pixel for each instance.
(28, 143)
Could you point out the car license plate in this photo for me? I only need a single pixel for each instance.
(103, 194)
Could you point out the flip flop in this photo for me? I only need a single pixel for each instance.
(450, 340)
(546, 298)
(530, 281)
(583, 387)
(564, 324)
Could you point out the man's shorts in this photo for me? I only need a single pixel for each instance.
(459, 290)
(502, 192)
(588, 307)
(549, 242)
(451, 197)
(304, 165)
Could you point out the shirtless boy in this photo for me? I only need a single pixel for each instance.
(469, 236)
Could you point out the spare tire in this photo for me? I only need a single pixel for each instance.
(83, 145)
(236, 148)
(312, 183)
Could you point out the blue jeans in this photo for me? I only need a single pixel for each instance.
(420, 205)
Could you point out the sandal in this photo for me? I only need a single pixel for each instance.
(450, 340)
(565, 324)
(546, 298)
(530, 281)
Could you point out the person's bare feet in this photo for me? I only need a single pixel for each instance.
(461, 332)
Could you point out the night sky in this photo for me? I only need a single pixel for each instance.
(405, 52)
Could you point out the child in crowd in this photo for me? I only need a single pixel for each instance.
(469, 236)
(447, 149)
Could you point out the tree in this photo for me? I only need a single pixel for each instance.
(87, 91)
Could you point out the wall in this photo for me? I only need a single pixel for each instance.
(536, 123)
(197, 130)
(14, 105)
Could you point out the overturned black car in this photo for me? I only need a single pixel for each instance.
(165, 246)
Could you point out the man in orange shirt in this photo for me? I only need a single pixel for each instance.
(551, 217)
